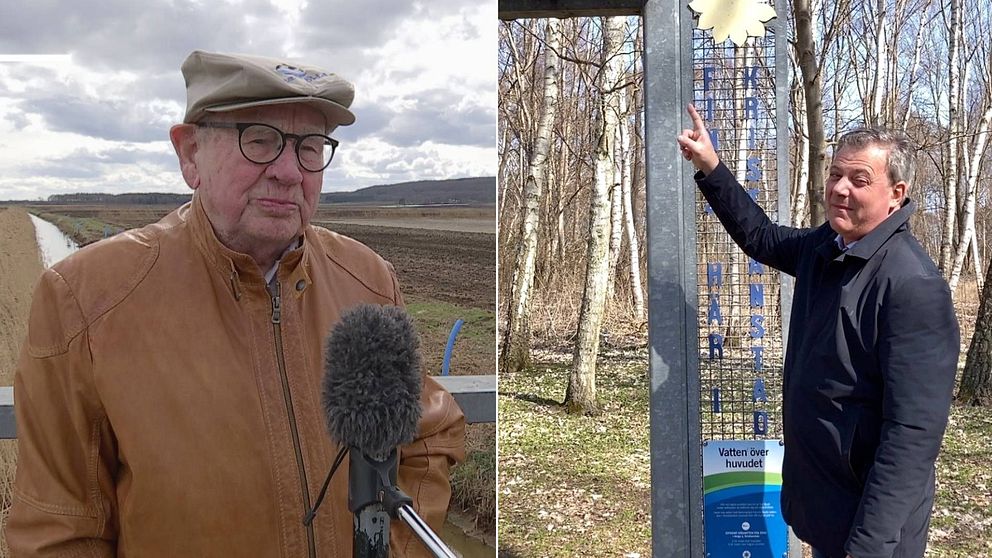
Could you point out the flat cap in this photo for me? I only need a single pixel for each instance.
(223, 82)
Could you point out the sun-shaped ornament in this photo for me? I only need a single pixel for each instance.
(737, 19)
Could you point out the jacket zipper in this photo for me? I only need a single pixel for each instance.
(280, 359)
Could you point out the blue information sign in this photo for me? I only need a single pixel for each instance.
(742, 487)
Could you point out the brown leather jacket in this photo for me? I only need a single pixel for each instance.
(165, 409)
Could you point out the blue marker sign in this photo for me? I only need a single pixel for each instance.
(742, 485)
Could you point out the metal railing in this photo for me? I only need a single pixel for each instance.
(476, 395)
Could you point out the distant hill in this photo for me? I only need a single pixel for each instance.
(481, 190)
(423, 192)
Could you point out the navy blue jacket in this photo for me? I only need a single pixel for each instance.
(868, 380)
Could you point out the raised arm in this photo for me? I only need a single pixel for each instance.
(771, 244)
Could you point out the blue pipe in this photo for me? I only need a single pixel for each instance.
(451, 346)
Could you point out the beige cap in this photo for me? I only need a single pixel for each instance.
(224, 82)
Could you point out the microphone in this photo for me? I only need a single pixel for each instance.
(371, 400)
(372, 382)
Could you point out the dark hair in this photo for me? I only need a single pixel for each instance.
(901, 162)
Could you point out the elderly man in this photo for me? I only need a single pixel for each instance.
(872, 351)
(168, 390)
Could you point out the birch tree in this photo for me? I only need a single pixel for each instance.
(974, 145)
(951, 174)
(813, 95)
(616, 217)
(976, 379)
(516, 343)
(967, 241)
(799, 188)
(628, 165)
(580, 396)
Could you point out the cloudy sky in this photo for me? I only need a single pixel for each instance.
(97, 120)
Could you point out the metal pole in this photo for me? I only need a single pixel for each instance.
(425, 533)
(676, 452)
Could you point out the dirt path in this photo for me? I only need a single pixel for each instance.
(20, 267)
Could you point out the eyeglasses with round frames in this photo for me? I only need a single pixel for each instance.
(262, 144)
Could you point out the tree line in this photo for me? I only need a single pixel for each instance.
(116, 199)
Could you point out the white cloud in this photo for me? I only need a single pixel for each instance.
(424, 72)
(372, 161)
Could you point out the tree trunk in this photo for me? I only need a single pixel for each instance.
(616, 233)
(626, 186)
(580, 397)
(947, 243)
(977, 262)
(968, 234)
(976, 380)
(912, 76)
(504, 147)
(558, 235)
(812, 85)
(619, 192)
(875, 109)
(516, 343)
(800, 188)
(638, 187)
(802, 205)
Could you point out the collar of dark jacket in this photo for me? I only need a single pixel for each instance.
(871, 242)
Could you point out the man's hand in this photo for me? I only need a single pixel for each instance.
(696, 146)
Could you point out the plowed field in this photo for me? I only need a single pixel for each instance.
(456, 267)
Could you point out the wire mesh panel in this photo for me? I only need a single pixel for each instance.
(740, 325)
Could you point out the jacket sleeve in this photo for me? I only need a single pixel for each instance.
(425, 463)
(63, 494)
(918, 354)
(774, 245)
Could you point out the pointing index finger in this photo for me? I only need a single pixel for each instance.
(697, 121)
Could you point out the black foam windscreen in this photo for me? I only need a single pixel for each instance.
(372, 380)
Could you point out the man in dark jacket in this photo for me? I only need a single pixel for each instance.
(872, 350)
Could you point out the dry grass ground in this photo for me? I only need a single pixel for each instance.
(20, 265)
(574, 485)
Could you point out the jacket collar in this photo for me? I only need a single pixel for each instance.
(871, 242)
(241, 269)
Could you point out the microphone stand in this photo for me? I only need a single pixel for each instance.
(424, 532)
(371, 522)
(373, 498)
